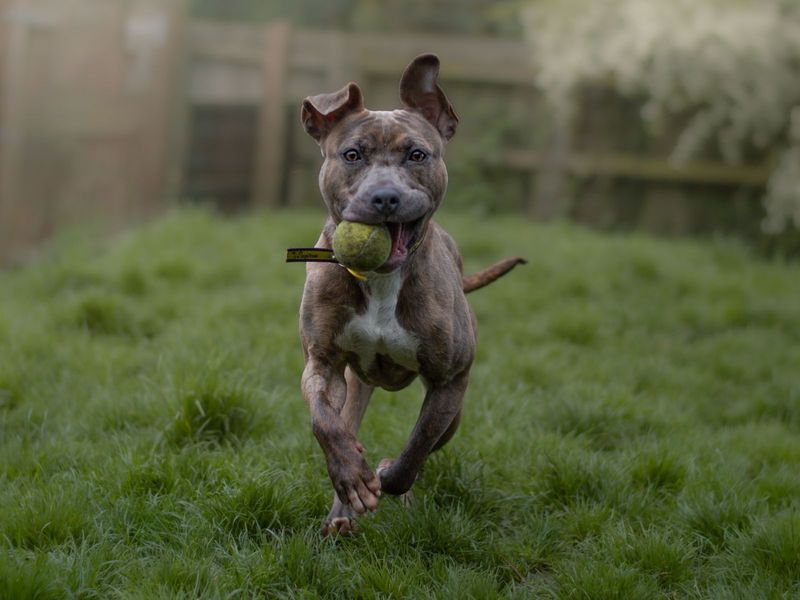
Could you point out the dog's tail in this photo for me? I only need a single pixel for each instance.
(489, 274)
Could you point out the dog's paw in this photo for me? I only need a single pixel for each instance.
(341, 519)
(385, 464)
(339, 526)
(383, 471)
(356, 485)
(395, 479)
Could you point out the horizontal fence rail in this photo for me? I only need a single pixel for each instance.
(648, 169)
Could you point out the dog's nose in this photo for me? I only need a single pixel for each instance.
(386, 200)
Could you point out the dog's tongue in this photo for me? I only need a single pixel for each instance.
(399, 249)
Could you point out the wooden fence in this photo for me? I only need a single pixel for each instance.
(119, 109)
(271, 68)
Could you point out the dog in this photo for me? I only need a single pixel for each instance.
(407, 319)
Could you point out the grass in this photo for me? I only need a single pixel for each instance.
(632, 427)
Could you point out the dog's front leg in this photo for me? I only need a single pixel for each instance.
(440, 411)
(324, 390)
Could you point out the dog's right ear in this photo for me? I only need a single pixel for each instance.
(321, 112)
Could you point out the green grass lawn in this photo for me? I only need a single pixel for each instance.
(632, 427)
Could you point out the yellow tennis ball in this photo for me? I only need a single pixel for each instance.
(361, 246)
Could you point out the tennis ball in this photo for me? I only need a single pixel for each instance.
(360, 246)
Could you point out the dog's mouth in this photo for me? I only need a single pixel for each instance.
(404, 239)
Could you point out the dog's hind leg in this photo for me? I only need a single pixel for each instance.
(341, 518)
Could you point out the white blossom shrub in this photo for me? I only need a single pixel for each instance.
(732, 65)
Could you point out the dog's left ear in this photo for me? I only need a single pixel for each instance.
(420, 91)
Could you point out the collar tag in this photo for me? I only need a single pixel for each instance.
(357, 274)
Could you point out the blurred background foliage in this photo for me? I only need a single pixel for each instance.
(730, 68)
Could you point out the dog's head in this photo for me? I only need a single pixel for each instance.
(385, 166)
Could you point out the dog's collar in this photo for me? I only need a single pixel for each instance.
(326, 255)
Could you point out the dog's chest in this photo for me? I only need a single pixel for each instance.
(377, 331)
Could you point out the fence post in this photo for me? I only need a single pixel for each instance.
(178, 104)
(270, 152)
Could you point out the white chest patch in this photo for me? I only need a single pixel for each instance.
(377, 331)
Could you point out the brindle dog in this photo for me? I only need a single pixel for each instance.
(410, 317)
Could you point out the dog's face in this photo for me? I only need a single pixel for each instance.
(385, 166)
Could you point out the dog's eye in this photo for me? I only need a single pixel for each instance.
(417, 156)
(351, 155)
